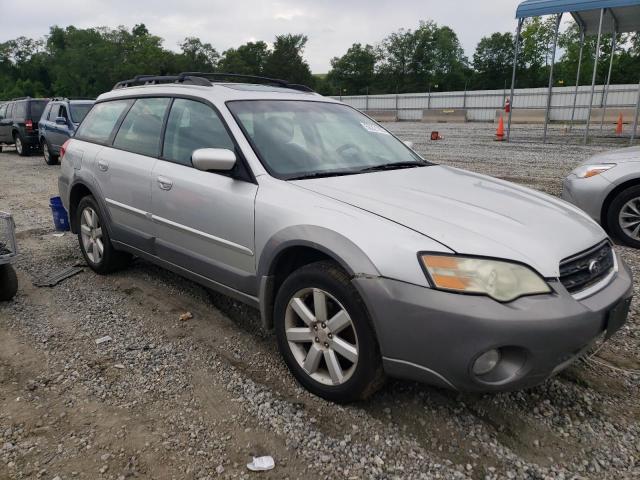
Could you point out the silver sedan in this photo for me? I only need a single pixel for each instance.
(607, 187)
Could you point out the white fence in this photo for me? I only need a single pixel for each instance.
(481, 105)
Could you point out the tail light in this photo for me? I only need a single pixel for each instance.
(63, 149)
(29, 125)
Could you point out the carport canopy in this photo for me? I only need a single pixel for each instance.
(621, 16)
(594, 17)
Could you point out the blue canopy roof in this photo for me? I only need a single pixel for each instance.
(621, 15)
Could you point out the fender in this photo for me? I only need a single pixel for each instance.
(90, 185)
(348, 255)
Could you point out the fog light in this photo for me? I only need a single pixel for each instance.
(486, 362)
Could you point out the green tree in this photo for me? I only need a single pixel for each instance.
(247, 59)
(286, 60)
(493, 60)
(199, 56)
(354, 72)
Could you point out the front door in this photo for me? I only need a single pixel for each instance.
(204, 220)
(5, 123)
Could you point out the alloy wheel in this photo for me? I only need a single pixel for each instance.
(321, 336)
(91, 232)
(45, 152)
(629, 218)
(19, 145)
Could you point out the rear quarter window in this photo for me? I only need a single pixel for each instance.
(20, 111)
(101, 121)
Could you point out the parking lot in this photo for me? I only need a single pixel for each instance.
(166, 398)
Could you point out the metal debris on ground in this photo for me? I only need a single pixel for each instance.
(101, 340)
(55, 278)
(261, 464)
(186, 316)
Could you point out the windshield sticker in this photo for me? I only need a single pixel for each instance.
(373, 128)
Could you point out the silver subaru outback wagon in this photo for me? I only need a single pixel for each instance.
(366, 259)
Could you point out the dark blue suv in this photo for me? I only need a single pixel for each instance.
(58, 123)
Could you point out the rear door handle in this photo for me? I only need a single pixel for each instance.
(103, 166)
(164, 183)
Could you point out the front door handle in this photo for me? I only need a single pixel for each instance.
(103, 166)
(164, 183)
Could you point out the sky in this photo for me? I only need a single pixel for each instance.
(331, 25)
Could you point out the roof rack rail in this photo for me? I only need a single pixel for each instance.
(158, 79)
(204, 79)
(67, 99)
(252, 78)
(20, 98)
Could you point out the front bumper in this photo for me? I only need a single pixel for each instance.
(588, 194)
(435, 337)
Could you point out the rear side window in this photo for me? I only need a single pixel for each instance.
(3, 111)
(20, 111)
(193, 125)
(141, 129)
(37, 107)
(47, 112)
(102, 120)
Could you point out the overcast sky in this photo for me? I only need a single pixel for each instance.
(331, 25)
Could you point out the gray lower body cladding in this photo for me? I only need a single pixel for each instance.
(435, 337)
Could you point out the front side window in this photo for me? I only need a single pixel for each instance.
(62, 112)
(102, 120)
(141, 129)
(193, 125)
(47, 113)
(296, 139)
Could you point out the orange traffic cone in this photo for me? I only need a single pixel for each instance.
(619, 127)
(500, 130)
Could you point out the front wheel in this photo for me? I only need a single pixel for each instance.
(94, 239)
(624, 216)
(49, 157)
(325, 335)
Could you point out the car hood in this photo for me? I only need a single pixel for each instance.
(620, 155)
(470, 213)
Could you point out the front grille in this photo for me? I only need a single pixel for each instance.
(585, 269)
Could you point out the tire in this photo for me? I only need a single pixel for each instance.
(49, 157)
(317, 348)
(92, 233)
(8, 282)
(623, 216)
(21, 147)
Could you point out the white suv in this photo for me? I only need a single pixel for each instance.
(365, 258)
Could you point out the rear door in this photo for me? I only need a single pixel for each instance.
(124, 172)
(204, 220)
(6, 124)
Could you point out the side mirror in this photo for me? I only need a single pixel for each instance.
(61, 121)
(408, 144)
(217, 159)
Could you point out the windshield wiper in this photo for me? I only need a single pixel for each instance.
(393, 166)
(322, 175)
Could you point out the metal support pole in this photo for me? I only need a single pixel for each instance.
(635, 120)
(550, 92)
(367, 100)
(513, 76)
(595, 75)
(605, 96)
(464, 99)
(429, 98)
(575, 95)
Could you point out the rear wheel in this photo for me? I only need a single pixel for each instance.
(8, 282)
(21, 148)
(624, 216)
(49, 157)
(325, 335)
(94, 239)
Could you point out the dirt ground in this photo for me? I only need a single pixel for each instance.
(196, 399)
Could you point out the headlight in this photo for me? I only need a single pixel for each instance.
(501, 280)
(587, 171)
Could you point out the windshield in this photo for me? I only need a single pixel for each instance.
(79, 111)
(296, 139)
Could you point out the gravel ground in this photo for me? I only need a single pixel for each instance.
(195, 399)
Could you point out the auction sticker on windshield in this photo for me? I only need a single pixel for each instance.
(373, 128)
